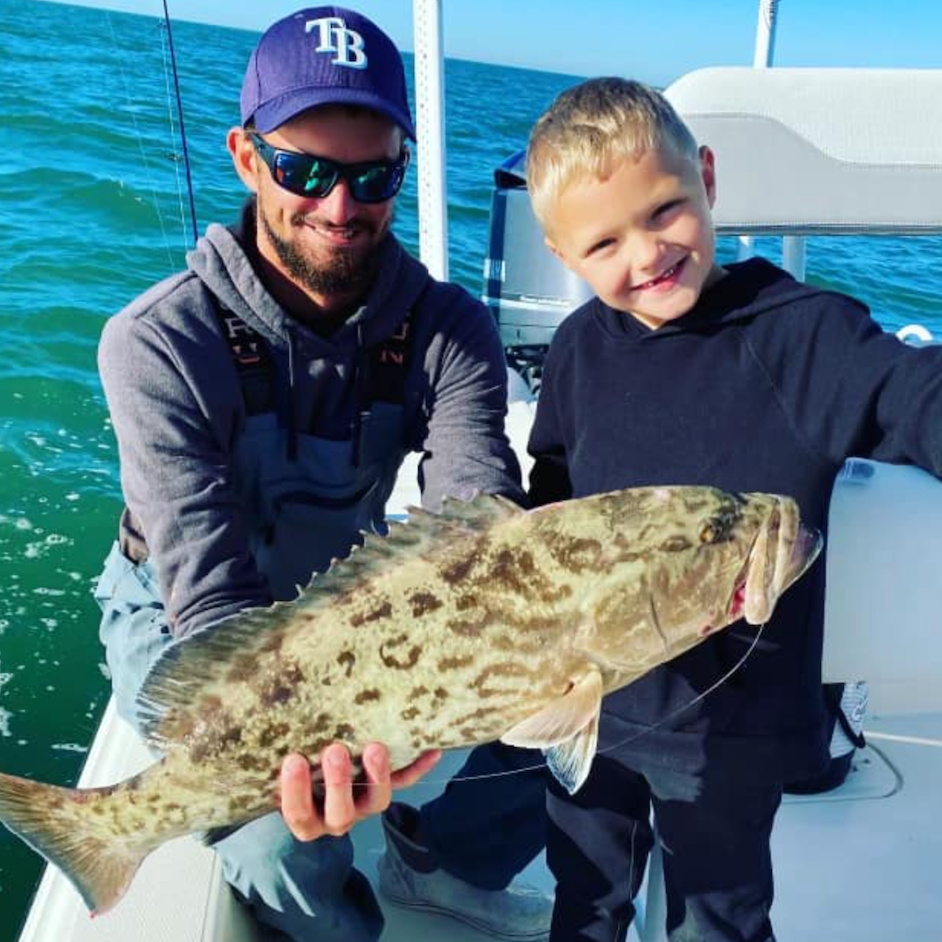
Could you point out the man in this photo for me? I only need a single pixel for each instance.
(263, 401)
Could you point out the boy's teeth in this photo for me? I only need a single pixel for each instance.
(664, 274)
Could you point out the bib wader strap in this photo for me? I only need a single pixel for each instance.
(385, 380)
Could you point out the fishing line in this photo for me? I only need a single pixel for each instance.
(186, 153)
(173, 125)
(694, 701)
(140, 141)
(619, 745)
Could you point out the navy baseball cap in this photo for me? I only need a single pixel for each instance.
(324, 56)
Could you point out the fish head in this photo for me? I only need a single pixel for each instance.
(681, 563)
(782, 551)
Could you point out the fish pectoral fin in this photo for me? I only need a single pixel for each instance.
(571, 761)
(564, 718)
(567, 730)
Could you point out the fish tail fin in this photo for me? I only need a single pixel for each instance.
(59, 824)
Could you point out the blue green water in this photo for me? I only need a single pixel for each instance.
(91, 213)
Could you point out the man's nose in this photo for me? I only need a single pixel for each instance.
(338, 206)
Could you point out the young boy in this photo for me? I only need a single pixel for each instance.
(684, 372)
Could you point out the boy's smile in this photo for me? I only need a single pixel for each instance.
(643, 236)
(665, 280)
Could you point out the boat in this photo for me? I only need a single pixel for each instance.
(856, 864)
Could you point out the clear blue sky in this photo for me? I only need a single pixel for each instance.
(653, 40)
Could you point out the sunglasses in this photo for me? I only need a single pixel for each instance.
(373, 181)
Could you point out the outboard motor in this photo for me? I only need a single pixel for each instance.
(528, 290)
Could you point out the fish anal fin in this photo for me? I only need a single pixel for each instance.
(562, 719)
(571, 761)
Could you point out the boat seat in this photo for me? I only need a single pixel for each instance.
(815, 151)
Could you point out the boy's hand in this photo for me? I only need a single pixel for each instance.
(344, 803)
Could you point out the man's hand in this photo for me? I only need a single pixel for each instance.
(344, 802)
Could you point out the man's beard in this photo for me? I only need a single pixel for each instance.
(343, 271)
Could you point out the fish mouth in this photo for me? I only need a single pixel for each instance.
(804, 549)
(737, 604)
(735, 608)
(808, 544)
(770, 571)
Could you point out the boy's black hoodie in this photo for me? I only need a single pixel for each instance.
(768, 384)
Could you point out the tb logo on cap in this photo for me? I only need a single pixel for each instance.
(333, 36)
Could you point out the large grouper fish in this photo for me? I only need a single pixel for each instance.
(481, 623)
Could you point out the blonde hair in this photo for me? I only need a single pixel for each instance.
(592, 127)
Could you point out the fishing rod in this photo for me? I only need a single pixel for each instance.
(186, 155)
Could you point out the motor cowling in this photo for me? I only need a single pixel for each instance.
(527, 289)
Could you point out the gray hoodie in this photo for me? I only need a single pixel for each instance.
(177, 408)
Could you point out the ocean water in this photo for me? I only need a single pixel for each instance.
(92, 212)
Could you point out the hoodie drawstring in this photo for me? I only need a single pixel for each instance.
(290, 418)
(359, 382)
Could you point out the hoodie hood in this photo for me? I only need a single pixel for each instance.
(750, 288)
(222, 260)
(325, 377)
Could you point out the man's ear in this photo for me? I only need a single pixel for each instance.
(244, 158)
(708, 173)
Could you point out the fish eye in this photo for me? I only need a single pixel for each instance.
(720, 528)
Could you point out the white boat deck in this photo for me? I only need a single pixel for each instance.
(861, 863)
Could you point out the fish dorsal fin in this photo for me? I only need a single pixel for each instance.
(423, 533)
(185, 670)
(481, 510)
(563, 718)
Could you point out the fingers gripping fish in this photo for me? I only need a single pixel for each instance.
(481, 623)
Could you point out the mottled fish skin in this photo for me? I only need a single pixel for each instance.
(482, 623)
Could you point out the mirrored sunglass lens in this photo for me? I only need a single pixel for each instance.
(320, 178)
(304, 175)
(375, 183)
(311, 176)
(301, 174)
